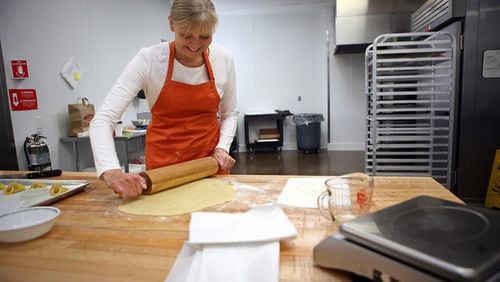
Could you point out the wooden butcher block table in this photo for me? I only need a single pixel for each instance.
(93, 241)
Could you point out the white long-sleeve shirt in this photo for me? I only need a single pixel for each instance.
(147, 71)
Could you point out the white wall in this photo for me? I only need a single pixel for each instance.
(102, 36)
(347, 102)
(280, 54)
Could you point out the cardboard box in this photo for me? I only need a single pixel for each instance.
(493, 194)
(269, 133)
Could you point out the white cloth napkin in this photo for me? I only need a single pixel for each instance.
(233, 247)
(263, 223)
(244, 262)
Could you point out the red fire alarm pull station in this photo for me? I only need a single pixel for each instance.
(19, 69)
(23, 99)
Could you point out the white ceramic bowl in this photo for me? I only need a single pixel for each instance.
(26, 224)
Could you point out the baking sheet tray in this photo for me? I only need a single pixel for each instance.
(37, 196)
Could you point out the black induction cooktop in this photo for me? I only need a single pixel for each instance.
(451, 240)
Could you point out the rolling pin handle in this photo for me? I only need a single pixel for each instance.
(149, 183)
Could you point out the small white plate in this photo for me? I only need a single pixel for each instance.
(26, 224)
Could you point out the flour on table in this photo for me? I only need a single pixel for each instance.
(302, 192)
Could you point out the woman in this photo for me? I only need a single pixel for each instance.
(190, 89)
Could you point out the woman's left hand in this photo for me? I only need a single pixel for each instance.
(224, 160)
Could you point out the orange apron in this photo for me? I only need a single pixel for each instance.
(184, 124)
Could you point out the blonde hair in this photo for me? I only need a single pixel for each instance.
(197, 16)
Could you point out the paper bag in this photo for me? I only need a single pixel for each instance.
(80, 115)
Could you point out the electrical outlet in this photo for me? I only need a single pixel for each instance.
(299, 98)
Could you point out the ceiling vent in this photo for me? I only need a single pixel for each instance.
(434, 14)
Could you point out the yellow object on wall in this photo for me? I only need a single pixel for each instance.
(493, 195)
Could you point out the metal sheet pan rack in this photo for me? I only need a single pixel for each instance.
(410, 88)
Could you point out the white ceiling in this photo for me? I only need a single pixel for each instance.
(344, 7)
(364, 7)
(232, 5)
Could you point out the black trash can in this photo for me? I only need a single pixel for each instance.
(308, 131)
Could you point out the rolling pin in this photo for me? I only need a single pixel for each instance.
(162, 178)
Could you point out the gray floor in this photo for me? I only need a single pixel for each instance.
(298, 163)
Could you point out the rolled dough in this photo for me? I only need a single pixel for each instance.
(182, 199)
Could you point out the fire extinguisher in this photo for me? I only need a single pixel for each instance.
(37, 153)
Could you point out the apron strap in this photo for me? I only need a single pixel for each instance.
(171, 58)
(209, 67)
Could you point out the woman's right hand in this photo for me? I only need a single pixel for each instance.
(126, 185)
